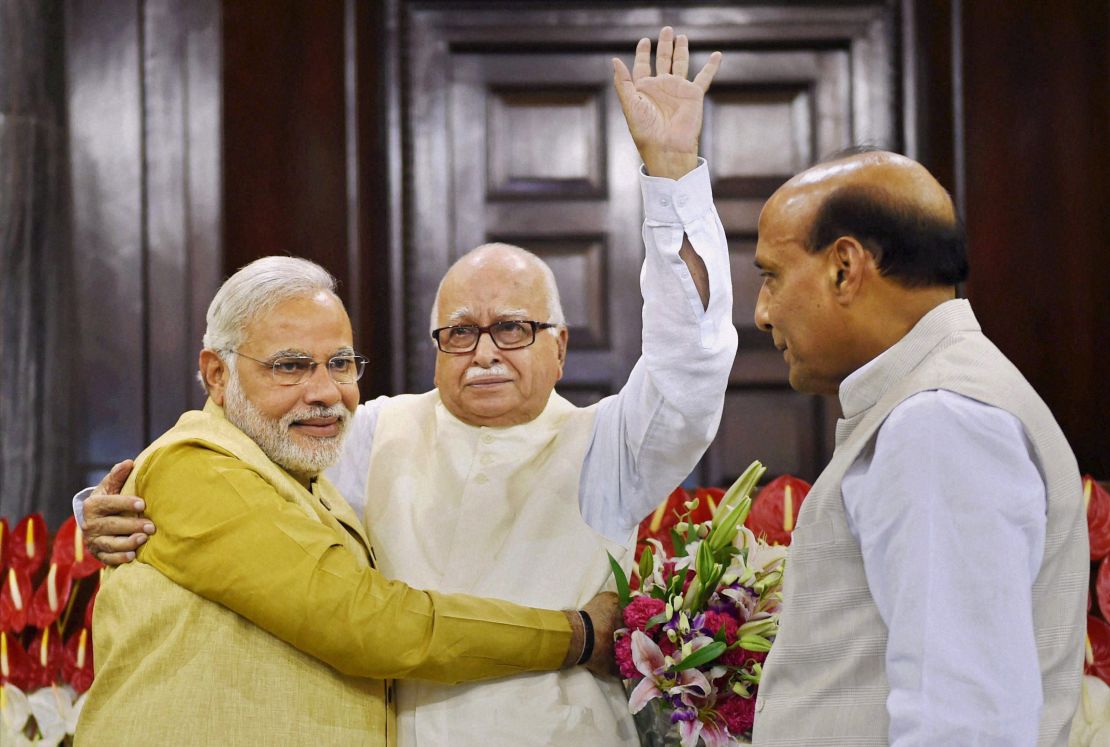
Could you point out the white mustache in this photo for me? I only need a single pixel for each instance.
(494, 371)
(338, 411)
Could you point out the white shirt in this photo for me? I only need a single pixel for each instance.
(648, 437)
(949, 509)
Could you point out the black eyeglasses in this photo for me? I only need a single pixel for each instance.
(290, 370)
(509, 335)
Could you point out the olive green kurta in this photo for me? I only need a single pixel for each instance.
(253, 615)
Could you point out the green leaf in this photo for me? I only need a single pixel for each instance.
(679, 543)
(703, 655)
(646, 565)
(656, 620)
(624, 594)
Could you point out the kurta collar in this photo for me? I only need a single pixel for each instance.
(547, 421)
(867, 384)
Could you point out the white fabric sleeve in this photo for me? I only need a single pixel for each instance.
(949, 508)
(79, 505)
(349, 474)
(649, 437)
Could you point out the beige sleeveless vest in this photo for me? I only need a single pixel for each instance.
(494, 512)
(825, 682)
(190, 671)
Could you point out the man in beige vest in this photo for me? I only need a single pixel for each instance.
(493, 484)
(938, 571)
(256, 614)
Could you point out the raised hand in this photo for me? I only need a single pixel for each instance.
(664, 111)
(114, 527)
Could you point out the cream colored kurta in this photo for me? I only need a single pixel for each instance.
(495, 512)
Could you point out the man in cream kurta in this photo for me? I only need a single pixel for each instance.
(464, 492)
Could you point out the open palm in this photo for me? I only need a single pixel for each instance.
(664, 111)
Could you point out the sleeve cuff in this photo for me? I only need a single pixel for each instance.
(79, 506)
(667, 201)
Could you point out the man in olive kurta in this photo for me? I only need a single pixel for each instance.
(255, 615)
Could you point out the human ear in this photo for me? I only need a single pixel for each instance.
(561, 345)
(848, 260)
(214, 373)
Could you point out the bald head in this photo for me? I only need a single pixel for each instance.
(502, 260)
(888, 202)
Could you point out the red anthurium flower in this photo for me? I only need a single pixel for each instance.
(658, 525)
(775, 509)
(77, 661)
(15, 600)
(5, 544)
(69, 549)
(1098, 517)
(16, 666)
(47, 651)
(1097, 662)
(708, 500)
(51, 598)
(29, 544)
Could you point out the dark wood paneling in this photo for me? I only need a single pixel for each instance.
(36, 334)
(104, 88)
(1036, 80)
(304, 150)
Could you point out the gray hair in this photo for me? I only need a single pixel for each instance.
(551, 290)
(255, 290)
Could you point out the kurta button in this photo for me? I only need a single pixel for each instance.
(487, 439)
(481, 479)
(664, 201)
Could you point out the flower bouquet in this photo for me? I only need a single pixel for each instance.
(701, 619)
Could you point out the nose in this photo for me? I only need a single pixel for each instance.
(762, 318)
(487, 353)
(320, 388)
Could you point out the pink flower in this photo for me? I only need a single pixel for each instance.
(640, 610)
(738, 713)
(710, 622)
(690, 685)
(739, 657)
(623, 651)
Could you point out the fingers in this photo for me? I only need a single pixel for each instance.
(116, 477)
(118, 526)
(681, 62)
(115, 558)
(622, 81)
(705, 76)
(109, 544)
(641, 67)
(98, 506)
(664, 51)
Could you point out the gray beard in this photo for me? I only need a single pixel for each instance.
(273, 437)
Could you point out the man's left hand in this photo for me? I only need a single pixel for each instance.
(664, 111)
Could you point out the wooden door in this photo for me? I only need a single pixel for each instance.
(514, 134)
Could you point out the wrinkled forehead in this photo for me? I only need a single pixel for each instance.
(506, 290)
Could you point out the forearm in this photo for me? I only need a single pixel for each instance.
(224, 537)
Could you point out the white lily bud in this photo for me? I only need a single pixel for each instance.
(669, 611)
(677, 602)
(671, 635)
(691, 505)
(687, 649)
(703, 531)
(683, 624)
(681, 526)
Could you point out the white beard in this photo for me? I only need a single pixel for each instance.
(273, 437)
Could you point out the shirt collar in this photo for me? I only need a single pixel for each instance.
(868, 383)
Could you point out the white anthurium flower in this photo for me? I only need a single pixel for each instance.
(52, 708)
(14, 712)
(691, 556)
(1090, 727)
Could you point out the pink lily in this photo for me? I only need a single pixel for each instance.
(712, 732)
(658, 679)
